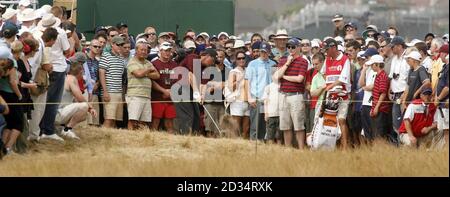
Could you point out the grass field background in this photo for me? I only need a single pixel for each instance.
(106, 152)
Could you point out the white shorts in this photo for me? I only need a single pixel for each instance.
(239, 109)
(442, 122)
(139, 108)
(65, 114)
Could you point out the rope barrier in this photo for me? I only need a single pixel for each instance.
(194, 101)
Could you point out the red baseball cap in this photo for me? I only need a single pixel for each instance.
(444, 49)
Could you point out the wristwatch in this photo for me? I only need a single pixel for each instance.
(196, 95)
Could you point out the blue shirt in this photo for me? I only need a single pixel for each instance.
(259, 75)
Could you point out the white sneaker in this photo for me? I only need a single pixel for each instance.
(69, 134)
(33, 139)
(52, 137)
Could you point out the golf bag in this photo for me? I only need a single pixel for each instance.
(326, 131)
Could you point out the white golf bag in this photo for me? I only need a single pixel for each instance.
(326, 131)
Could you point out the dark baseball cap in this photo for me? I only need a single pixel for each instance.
(351, 24)
(293, 42)
(330, 42)
(265, 47)
(121, 24)
(256, 45)
(209, 51)
(9, 29)
(397, 40)
(118, 40)
(427, 91)
(338, 17)
(370, 52)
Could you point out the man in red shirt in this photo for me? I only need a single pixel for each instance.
(337, 73)
(418, 123)
(291, 73)
(380, 102)
(162, 106)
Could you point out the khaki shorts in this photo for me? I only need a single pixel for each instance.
(95, 105)
(65, 114)
(139, 108)
(343, 109)
(292, 112)
(113, 110)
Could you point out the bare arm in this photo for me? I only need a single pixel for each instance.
(408, 127)
(13, 82)
(317, 92)
(362, 77)
(157, 87)
(380, 101)
(443, 94)
(102, 75)
(295, 79)
(232, 82)
(141, 73)
(3, 102)
(154, 74)
(425, 83)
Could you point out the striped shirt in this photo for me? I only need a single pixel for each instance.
(114, 67)
(298, 67)
(380, 86)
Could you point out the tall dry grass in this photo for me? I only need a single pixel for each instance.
(103, 152)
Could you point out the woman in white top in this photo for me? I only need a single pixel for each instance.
(238, 98)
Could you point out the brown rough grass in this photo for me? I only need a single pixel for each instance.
(106, 152)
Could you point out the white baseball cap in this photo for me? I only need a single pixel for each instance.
(414, 55)
(189, 44)
(314, 43)
(165, 46)
(223, 34)
(376, 59)
(413, 42)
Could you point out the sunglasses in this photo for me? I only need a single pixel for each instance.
(240, 58)
(119, 45)
(97, 47)
(152, 34)
(291, 47)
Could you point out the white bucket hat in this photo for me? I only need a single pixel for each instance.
(46, 8)
(27, 15)
(49, 20)
(9, 13)
(25, 3)
(282, 34)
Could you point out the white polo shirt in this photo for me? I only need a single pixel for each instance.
(57, 51)
(401, 68)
